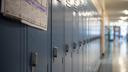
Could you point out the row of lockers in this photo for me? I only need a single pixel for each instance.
(69, 44)
(72, 39)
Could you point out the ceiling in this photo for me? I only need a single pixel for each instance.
(115, 8)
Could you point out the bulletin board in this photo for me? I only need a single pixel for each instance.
(31, 12)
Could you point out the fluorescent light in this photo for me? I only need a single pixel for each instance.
(80, 13)
(84, 14)
(64, 2)
(77, 2)
(82, 1)
(125, 12)
(55, 2)
(71, 2)
(120, 21)
(123, 18)
(74, 13)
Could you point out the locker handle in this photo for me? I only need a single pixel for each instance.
(84, 42)
(66, 49)
(74, 45)
(34, 59)
(80, 43)
(55, 52)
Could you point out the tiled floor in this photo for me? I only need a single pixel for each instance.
(116, 58)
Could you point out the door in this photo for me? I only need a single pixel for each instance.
(75, 51)
(68, 39)
(80, 43)
(11, 45)
(58, 43)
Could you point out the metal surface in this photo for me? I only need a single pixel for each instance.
(58, 36)
(17, 41)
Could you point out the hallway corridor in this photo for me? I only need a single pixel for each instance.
(116, 58)
(63, 35)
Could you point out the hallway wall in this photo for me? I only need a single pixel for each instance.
(18, 41)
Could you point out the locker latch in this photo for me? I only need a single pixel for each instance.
(84, 42)
(55, 52)
(34, 59)
(66, 48)
(74, 45)
(80, 43)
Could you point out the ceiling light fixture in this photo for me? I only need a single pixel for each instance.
(123, 18)
(74, 13)
(82, 1)
(55, 2)
(125, 12)
(80, 13)
(71, 2)
(120, 21)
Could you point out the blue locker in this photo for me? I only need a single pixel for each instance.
(58, 17)
(37, 43)
(74, 42)
(80, 42)
(84, 46)
(68, 39)
(10, 45)
(18, 41)
(75, 56)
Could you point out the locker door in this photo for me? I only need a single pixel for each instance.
(11, 45)
(89, 48)
(75, 55)
(37, 44)
(68, 39)
(87, 34)
(89, 44)
(57, 37)
(75, 38)
(85, 45)
(80, 42)
(86, 37)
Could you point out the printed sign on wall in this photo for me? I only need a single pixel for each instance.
(30, 12)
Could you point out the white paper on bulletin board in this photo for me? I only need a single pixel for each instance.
(31, 12)
(11, 8)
